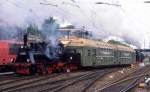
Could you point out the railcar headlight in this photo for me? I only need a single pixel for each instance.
(21, 46)
(70, 58)
(11, 59)
(28, 60)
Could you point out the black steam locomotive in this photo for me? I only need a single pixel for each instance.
(32, 58)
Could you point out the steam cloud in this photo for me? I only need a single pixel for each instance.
(102, 20)
(50, 31)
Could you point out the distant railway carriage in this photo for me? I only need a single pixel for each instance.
(8, 53)
(96, 53)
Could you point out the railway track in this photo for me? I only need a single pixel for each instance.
(61, 86)
(39, 86)
(17, 82)
(89, 77)
(6, 75)
(86, 77)
(33, 83)
(11, 79)
(80, 84)
(126, 83)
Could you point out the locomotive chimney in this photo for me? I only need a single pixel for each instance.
(25, 38)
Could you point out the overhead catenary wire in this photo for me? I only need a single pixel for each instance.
(29, 9)
(75, 4)
(55, 5)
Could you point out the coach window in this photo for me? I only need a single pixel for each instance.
(94, 52)
(120, 53)
(89, 52)
(101, 52)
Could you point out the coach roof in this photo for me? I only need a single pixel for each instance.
(75, 41)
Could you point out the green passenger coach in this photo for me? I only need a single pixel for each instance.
(97, 53)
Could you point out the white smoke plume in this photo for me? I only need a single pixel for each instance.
(128, 21)
(50, 31)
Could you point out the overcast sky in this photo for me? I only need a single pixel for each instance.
(127, 19)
